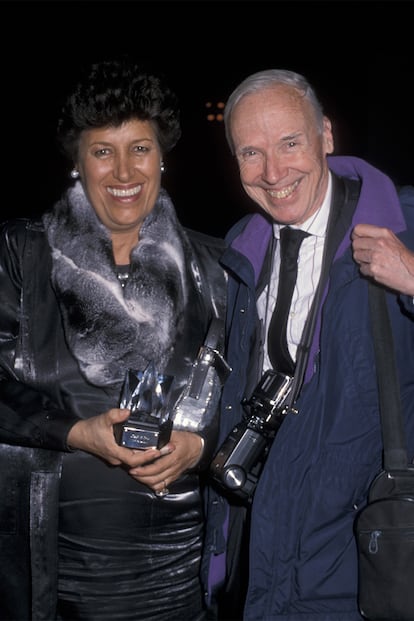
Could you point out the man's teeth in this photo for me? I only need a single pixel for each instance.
(124, 193)
(285, 192)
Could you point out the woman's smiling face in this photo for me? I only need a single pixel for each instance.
(120, 170)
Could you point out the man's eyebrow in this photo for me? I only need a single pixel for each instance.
(292, 136)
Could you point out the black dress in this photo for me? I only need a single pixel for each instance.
(120, 545)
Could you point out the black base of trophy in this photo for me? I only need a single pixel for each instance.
(142, 435)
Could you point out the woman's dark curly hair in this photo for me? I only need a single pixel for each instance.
(112, 92)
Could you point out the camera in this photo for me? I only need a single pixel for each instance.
(240, 459)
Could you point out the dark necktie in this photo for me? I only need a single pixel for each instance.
(290, 241)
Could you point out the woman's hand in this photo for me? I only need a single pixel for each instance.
(96, 435)
(156, 468)
(187, 450)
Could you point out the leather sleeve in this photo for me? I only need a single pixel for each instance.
(27, 416)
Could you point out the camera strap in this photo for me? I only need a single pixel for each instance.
(303, 350)
(344, 201)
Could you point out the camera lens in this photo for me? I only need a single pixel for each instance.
(234, 477)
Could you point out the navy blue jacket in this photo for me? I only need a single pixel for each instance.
(303, 563)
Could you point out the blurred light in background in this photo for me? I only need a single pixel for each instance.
(214, 111)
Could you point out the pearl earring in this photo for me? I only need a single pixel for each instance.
(162, 167)
(74, 173)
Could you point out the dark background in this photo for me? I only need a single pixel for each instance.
(358, 55)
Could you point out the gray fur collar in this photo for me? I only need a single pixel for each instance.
(109, 329)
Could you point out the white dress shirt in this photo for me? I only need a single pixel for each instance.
(309, 271)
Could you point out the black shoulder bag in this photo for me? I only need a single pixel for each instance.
(384, 528)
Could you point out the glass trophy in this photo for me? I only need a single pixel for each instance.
(146, 395)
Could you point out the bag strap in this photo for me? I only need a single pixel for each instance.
(209, 355)
(393, 436)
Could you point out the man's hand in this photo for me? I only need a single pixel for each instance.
(383, 257)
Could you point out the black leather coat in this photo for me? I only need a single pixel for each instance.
(42, 394)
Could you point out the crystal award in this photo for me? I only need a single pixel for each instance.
(146, 395)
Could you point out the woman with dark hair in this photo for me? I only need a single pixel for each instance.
(100, 519)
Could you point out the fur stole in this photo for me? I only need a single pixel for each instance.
(109, 329)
